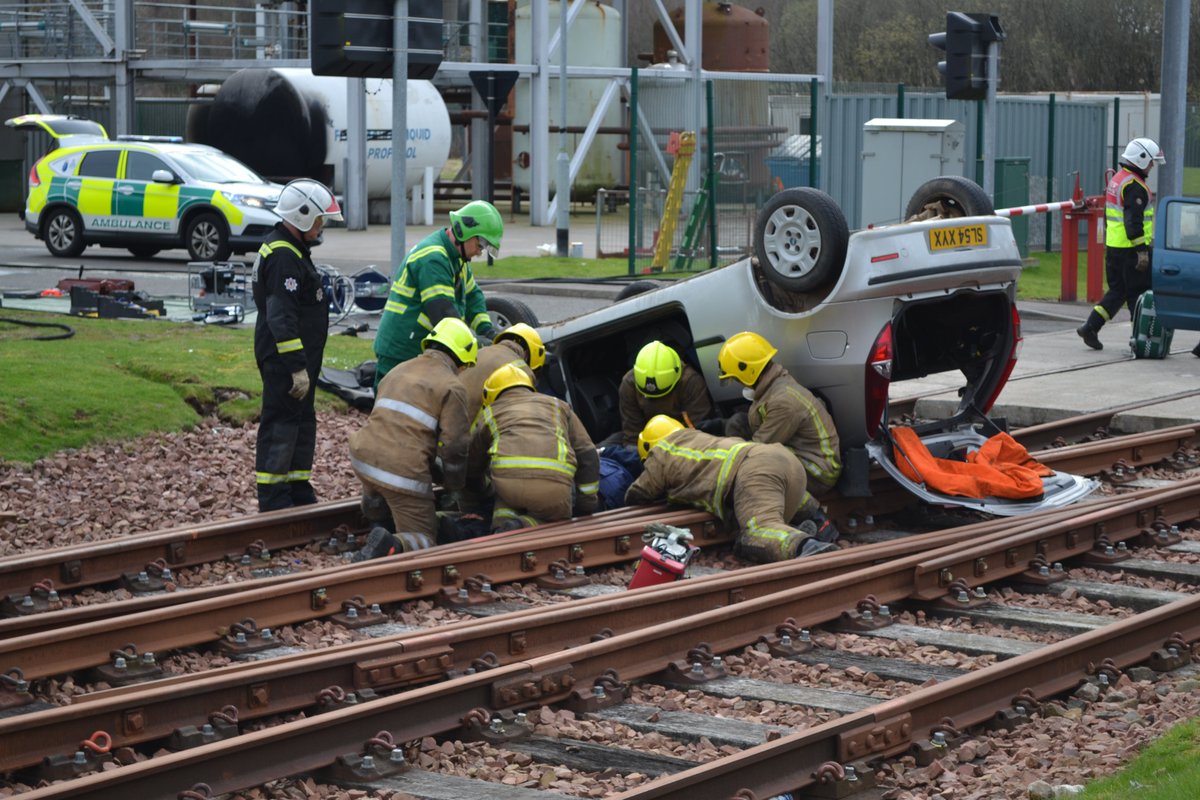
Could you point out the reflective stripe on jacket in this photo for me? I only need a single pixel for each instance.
(293, 311)
(1120, 218)
(783, 411)
(536, 437)
(693, 468)
(433, 270)
(420, 413)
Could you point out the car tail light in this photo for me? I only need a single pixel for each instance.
(1012, 362)
(879, 378)
(34, 180)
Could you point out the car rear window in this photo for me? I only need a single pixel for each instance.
(100, 164)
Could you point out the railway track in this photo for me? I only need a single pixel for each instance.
(419, 662)
(613, 644)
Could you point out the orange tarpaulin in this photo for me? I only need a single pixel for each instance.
(1001, 467)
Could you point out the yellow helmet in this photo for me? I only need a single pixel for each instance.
(656, 369)
(530, 338)
(503, 379)
(743, 356)
(656, 429)
(454, 335)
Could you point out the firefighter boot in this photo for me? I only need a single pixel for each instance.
(812, 547)
(380, 542)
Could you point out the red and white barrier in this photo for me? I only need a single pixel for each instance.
(1041, 208)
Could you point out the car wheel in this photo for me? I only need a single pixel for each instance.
(800, 239)
(637, 287)
(948, 197)
(145, 251)
(206, 238)
(506, 311)
(63, 232)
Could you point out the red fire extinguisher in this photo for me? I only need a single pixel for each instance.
(665, 555)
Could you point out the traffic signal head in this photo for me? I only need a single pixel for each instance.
(965, 42)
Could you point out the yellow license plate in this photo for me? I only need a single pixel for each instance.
(961, 236)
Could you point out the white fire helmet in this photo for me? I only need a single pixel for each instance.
(1141, 153)
(303, 200)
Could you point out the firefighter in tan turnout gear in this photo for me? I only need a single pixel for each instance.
(540, 460)
(419, 419)
(782, 411)
(661, 383)
(764, 483)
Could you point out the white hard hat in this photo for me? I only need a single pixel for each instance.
(1141, 153)
(303, 200)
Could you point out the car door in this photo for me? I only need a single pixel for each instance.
(94, 183)
(155, 204)
(1175, 268)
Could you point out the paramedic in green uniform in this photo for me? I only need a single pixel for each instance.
(436, 282)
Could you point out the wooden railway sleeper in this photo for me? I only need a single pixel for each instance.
(867, 615)
(380, 757)
(607, 690)
(90, 755)
(221, 725)
(42, 597)
(497, 729)
(127, 666)
(357, 614)
(14, 689)
(244, 638)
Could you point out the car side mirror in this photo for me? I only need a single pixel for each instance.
(163, 176)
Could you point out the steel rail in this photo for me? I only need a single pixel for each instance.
(139, 713)
(544, 633)
(309, 744)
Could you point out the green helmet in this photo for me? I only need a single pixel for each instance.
(656, 370)
(478, 218)
(454, 335)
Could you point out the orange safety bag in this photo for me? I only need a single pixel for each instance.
(1001, 467)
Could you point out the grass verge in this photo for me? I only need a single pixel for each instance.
(1169, 769)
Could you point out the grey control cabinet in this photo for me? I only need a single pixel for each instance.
(901, 154)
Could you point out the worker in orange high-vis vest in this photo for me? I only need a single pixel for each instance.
(1128, 232)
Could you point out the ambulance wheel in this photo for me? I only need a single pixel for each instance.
(800, 239)
(63, 232)
(206, 238)
(145, 251)
(948, 197)
(506, 311)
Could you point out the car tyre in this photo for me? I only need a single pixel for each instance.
(145, 251)
(63, 233)
(948, 197)
(206, 238)
(800, 239)
(637, 287)
(506, 311)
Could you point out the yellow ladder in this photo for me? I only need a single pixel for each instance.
(684, 147)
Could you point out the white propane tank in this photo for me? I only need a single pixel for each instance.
(593, 40)
(428, 138)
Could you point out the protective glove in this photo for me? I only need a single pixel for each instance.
(586, 504)
(300, 384)
(714, 426)
(483, 340)
(1143, 260)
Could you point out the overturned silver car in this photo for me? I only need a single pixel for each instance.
(851, 314)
